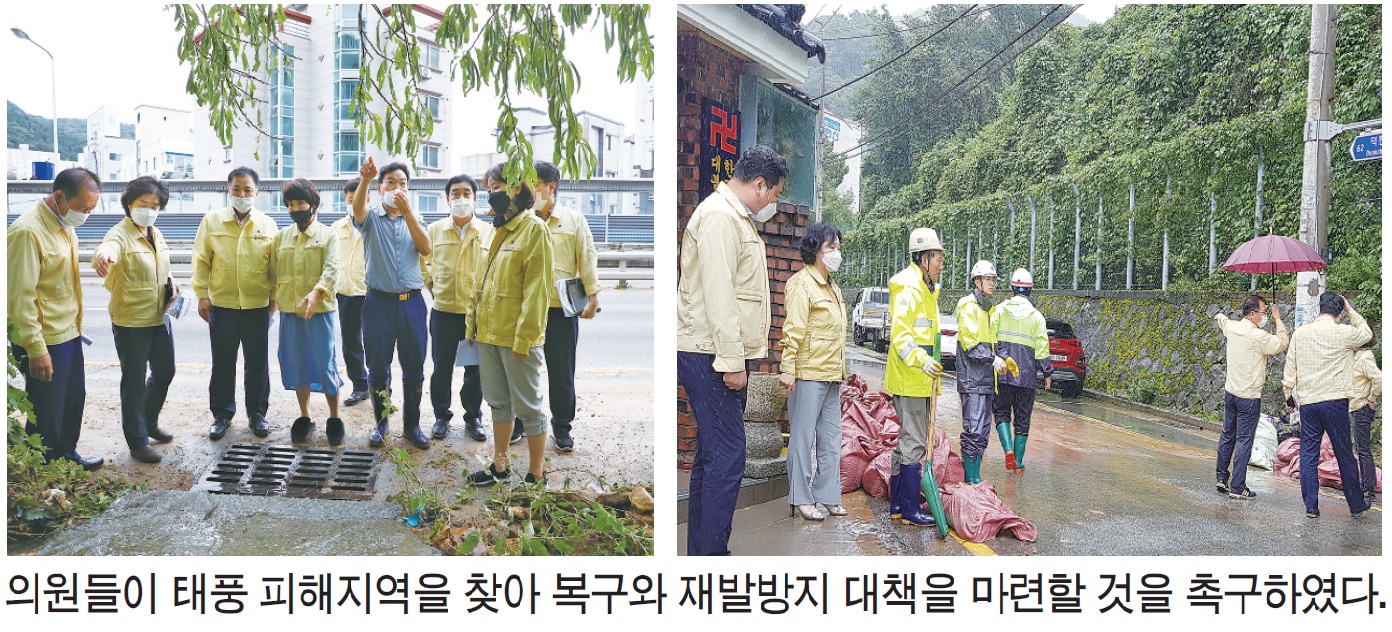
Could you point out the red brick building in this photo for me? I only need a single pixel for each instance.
(735, 65)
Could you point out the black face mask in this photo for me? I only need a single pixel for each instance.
(302, 218)
(500, 203)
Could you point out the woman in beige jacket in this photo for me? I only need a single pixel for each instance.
(813, 368)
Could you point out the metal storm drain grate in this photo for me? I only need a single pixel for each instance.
(261, 469)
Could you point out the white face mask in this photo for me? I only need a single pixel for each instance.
(143, 217)
(832, 260)
(242, 204)
(766, 213)
(74, 218)
(1263, 322)
(462, 208)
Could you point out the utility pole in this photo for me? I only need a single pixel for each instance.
(1077, 229)
(1314, 180)
(1261, 173)
(1131, 236)
(1034, 228)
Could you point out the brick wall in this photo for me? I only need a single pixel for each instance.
(707, 70)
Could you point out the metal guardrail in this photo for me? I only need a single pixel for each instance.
(614, 265)
(181, 227)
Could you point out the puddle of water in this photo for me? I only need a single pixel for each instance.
(1158, 428)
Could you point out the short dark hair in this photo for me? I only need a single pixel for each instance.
(1252, 303)
(72, 182)
(244, 171)
(473, 186)
(547, 172)
(142, 186)
(817, 235)
(300, 190)
(352, 186)
(761, 161)
(524, 198)
(1332, 304)
(394, 166)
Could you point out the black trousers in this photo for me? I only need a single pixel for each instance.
(143, 350)
(351, 331)
(562, 336)
(248, 329)
(446, 332)
(1016, 402)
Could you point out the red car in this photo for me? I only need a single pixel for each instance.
(1066, 354)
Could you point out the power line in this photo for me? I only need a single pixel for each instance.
(897, 57)
(903, 30)
(916, 113)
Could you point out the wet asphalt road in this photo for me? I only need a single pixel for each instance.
(1099, 481)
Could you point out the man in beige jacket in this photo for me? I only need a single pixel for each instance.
(1249, 346)
(723, 321)
(1319, 375)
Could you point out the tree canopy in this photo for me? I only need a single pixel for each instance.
(509, 48)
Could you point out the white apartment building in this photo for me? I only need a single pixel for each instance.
(164, 142)
(309, 124)
(616, 156)
(845, 134)
(19, 163)
(107, 154)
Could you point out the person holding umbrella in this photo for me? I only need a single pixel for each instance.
(1249, 346)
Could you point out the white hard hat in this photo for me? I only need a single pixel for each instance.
(924, 239)
(1021, 278)
(983, 268)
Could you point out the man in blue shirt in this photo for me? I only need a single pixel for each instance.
(394, 311)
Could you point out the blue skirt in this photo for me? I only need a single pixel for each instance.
(307, 353)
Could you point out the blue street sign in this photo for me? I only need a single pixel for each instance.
(1367, 146)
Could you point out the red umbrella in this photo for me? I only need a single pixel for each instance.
(1274, 254)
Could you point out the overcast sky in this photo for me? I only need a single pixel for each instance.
(124, 54)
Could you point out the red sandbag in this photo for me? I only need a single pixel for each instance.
(876, 478)
(1288, 463)
(977, 514)
(852, 469)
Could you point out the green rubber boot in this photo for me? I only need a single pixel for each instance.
(929, 484)
(971, 470)
(1003, 429)
(1020, 441)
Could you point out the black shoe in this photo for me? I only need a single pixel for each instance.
(379, 433)
(334, 430)
(1223, 487)
(146, 454)
(474, 429)
(158, 435)
(1314, 513)
(440, 429)
(1245, 494)
(218, 428)
(564, 442)
(299, 431)
(91, 465)
(489, 476)
(532, 480)
(518, 431)
(356, 397)
(259, 427)
(416, 437)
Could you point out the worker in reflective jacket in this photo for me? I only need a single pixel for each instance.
(977, 367)
(912, 372)
(1021, 336)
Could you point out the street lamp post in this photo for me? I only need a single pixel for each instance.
(53, 68)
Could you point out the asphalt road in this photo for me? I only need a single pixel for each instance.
(613, 427)
(1100, 480)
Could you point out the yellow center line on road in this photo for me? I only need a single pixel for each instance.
(195, 365)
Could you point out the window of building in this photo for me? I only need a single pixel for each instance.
(348, 154)
(113, 156)
(432, 103)
(283, 115)
(430, 57)
(430, 156)
(786, 124)
(343, 99)
(347, 55)
(427, 203)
